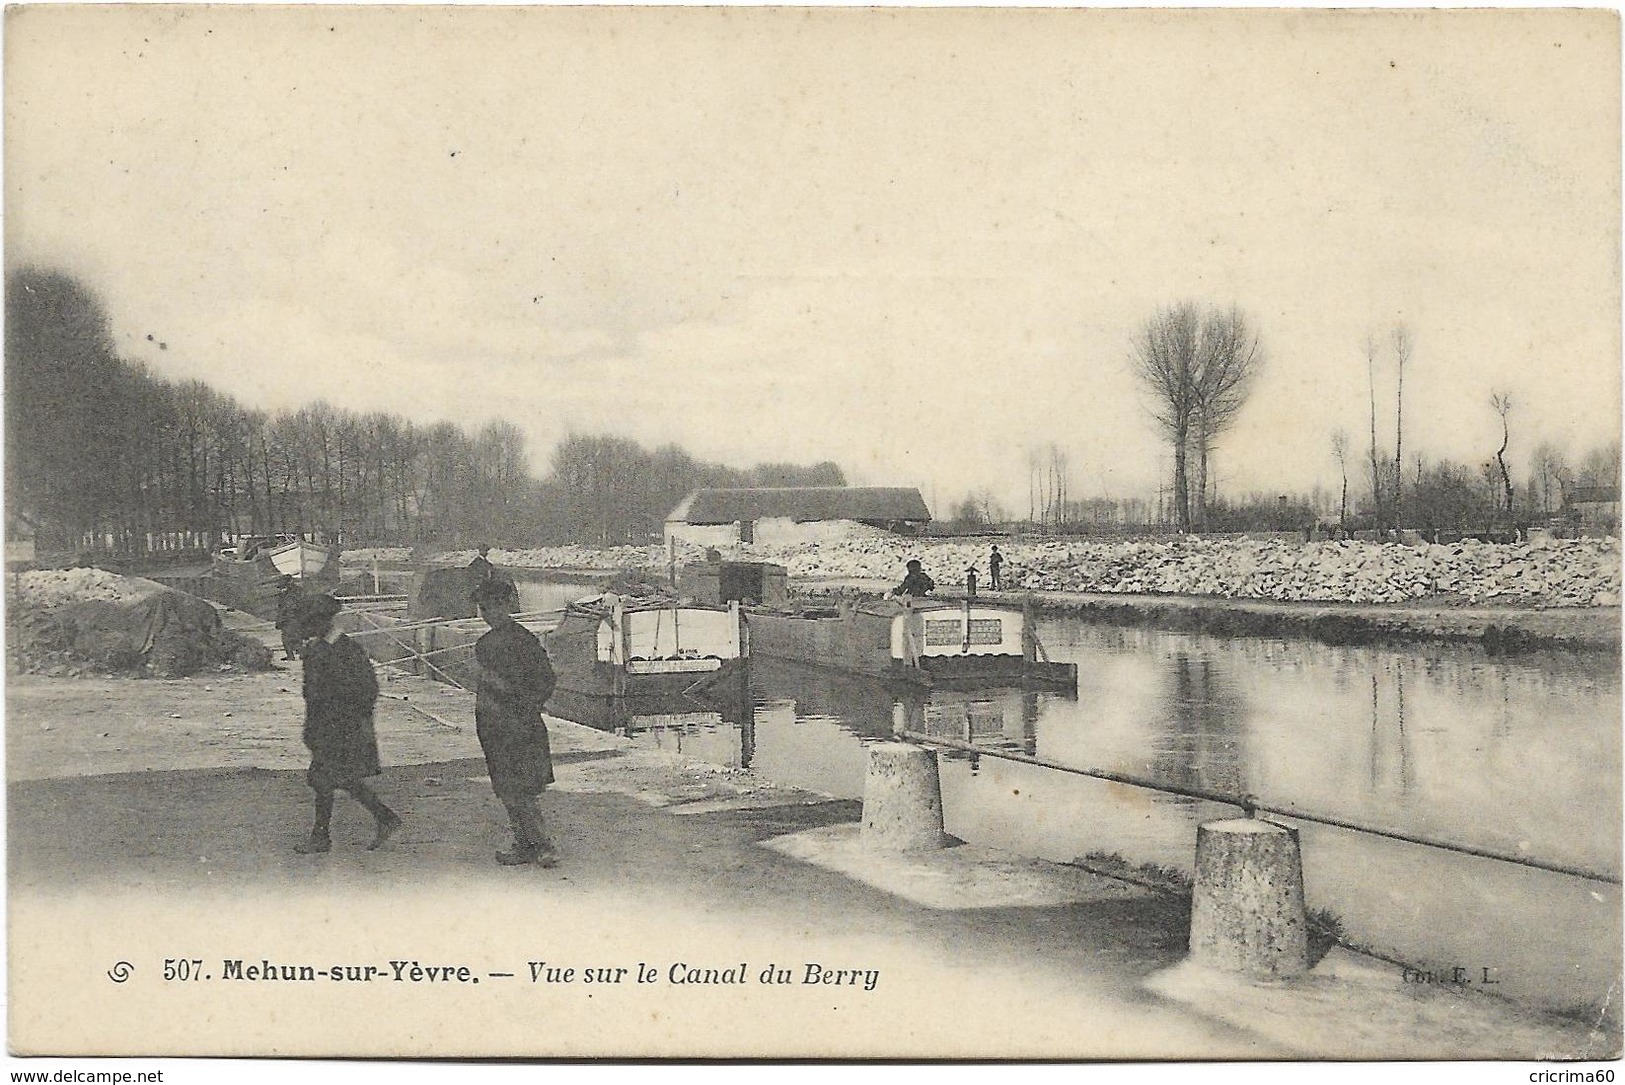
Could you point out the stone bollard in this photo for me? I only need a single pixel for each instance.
(902, 799)
(1247, 910)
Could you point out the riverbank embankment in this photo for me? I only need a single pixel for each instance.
(1499, 630)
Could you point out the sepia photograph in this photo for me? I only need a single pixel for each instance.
(837, 534)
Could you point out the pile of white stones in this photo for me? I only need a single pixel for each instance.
(60, 587)
(1572, 573)
(1552, 573)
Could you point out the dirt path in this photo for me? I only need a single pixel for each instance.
(111, 797)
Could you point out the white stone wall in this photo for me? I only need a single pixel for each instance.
(778, 531)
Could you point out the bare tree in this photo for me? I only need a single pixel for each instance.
(1502, 403)
(1198, 368)
(1402, 344)
(1165, 361)
(1600, 466)
(1032, 484)
(1229, 356)
(1548, 476)
(1055, 486)
(1340, 449)
(1376, 469)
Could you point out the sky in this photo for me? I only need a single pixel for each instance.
(915, 242)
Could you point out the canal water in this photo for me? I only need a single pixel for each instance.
(1520, 755)
(539, 596)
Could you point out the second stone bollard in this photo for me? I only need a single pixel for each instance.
(1247, 908)
(902, 799)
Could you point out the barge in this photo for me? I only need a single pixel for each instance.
(609, 646)
(251, 575)
(914, 642)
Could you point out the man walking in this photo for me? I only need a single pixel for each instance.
(515, 680)
(340, 691)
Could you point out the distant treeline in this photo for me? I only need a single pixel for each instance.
(100, 447)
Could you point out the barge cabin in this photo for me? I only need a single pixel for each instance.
(610, 646)
(920, 642)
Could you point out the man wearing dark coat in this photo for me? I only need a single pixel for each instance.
(340, 690)
(290, 607)
(515, 680)
(915, 583)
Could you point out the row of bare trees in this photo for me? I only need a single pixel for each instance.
(104, 450)
(101, 449)
(611, 491)
(1047, 486)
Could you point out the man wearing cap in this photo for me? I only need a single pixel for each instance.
(480, 569)
(916, 583)
(515, 680)
(340, 691)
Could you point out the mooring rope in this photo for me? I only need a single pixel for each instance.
(1251, 804)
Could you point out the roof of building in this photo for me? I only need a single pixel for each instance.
(802, 503)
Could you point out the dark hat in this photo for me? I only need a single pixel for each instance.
(496, 591)
(319, 608)
(914, 566)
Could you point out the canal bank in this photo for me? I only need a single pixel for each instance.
(176, 803)
(1499, 629)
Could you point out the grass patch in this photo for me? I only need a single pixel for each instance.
(1163, 879)
(1325, 931)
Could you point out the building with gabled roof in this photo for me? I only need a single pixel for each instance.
(719, 517)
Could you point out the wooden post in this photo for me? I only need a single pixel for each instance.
(622, 640)
(1029, 641)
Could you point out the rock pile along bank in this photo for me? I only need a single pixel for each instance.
(1552, 573)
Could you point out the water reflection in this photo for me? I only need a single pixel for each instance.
(1520, 755)
(1198, 739)
(715, 722)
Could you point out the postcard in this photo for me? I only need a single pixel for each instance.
(812, 533)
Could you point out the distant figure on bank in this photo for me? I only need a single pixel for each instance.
(970, 582)
(995, 562)
(713, 555)
(916, 583)
(290, 603)
(340, 692)
(481, 566)
(515, 680)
